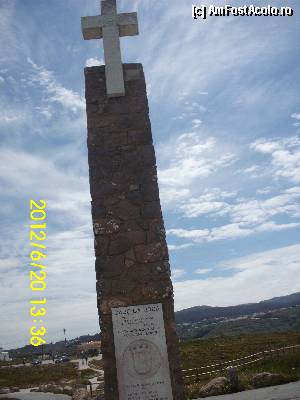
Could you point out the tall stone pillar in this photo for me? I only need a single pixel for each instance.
(132, 264)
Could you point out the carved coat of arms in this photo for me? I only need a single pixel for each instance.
(142, 358)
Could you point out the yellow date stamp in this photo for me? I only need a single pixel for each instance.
(37, 273)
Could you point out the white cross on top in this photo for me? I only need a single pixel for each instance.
(110, 26)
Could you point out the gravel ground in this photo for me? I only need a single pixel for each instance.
(290, 391)
(34, 396)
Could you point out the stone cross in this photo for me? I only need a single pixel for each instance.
(109, 26)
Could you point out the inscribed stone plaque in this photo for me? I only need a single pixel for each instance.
(141, 353)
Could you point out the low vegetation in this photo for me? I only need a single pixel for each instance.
(194, 353)
(97, 364)
(200, 353)
(25, 377)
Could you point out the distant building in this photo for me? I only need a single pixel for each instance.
(4, 356)
(93, 345)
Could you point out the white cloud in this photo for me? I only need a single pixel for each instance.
(265, 190)
(175, 247)
(75, 248)
(194, 76)
(55, 91)
(246, 212)
(285, 156)
(190, 158)
(229, 231)
(264, 146)
(271, 226)
(2, 79)
(70, 268)
(251, 169)
(210, 202)
(12, 48)
(203, 271)
(296, 116)
(197, 235)
(276, 258)
(9, 117)
(258, 276)
(169, 195)
(94, 61)
(257, 211)
(61, 180)
(47, 112)
(177, 273)
(253, 172)
(194, 208)
(196, 122)
(188, 162)
(21, 173)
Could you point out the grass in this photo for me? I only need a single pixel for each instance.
(8, 363)
(97, 364)
(25, 377)
(199, 353)
(287, 365)
(202, 352)
(194, 353)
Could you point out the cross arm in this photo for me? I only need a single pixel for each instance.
(92, 26)
(128, 24)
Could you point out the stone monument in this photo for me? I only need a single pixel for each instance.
(134, 289)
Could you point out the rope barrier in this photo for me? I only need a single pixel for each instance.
(265, 353)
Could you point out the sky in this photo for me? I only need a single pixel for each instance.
(225, 113)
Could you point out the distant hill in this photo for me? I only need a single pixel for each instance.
(196, 314)
(279, 314)
(61, 347)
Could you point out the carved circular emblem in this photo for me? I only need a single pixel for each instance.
(142, 359)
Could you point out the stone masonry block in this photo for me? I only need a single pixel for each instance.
(132, 262)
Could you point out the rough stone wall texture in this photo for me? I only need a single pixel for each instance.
(132, 263)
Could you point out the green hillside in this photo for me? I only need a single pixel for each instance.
(199, 313)
(281, 314)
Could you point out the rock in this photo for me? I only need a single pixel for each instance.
(49, 388)
(267, 379)
(109, 266)
(80, 394)
(233, 378)
(9, 398)
(119, 246)
(4, 391)
(215, 387)
(152, 252)
(14, 389)
(57, 389)
(68, 390)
